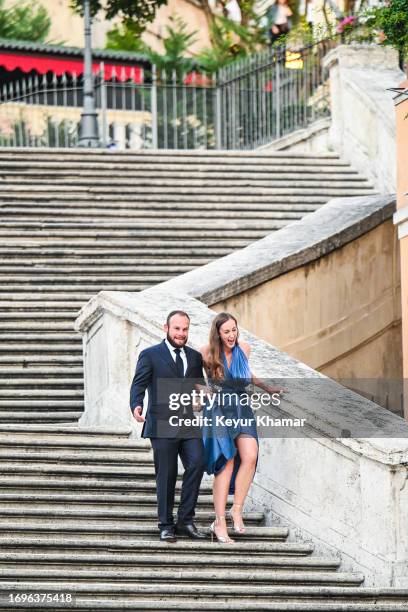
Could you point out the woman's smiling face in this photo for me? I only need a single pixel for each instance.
(229, 333)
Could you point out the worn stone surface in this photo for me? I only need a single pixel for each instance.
(359, 78)
(313, 138)
(338, 222)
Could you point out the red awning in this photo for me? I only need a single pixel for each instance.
(59, 66)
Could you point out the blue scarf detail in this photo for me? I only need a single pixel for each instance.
(239, 367)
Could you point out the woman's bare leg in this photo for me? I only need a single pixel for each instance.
(221, 486)
(248, 452)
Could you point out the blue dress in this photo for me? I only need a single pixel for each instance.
(231, 402)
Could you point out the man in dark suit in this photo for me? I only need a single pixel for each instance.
(164, 369)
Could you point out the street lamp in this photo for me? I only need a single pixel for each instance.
(88, 129)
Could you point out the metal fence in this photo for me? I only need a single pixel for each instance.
(247, 104)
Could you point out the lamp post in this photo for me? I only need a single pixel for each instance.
(88, 129)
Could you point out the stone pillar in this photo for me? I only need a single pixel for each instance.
(359, 76)
(135, 136)
(112, 341)
(401, 220)
(119, 135)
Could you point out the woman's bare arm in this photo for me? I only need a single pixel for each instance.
(255, 381)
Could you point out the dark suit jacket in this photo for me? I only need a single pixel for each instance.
(156, 372)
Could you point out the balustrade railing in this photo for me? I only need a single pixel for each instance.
(249, 103)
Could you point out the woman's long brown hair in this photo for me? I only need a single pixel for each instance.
(216, 364)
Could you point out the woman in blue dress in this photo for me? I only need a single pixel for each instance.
(230, 450)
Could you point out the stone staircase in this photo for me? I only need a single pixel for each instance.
(74, 223)
(78, 505)
(77, 516)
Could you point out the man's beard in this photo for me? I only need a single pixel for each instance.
(175, 345)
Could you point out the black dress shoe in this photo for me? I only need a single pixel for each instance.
(191, 531)
(168, 535)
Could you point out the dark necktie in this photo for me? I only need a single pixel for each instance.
(179, 364)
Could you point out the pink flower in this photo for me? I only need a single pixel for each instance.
(350, 20)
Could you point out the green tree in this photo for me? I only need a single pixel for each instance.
(24, 21)
(134, 13)
(392, 20)
(176, 43)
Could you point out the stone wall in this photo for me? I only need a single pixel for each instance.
(363, 119)
(327, 313)
(325, 289)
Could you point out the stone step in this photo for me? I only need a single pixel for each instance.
(163, 155)
(242, 595)
(45, 384)
(41, 393)
(39, 405)
(191, 576)
(99, 217)
(117, 248)
(50, 289)
(96, 514)
(19, 296)
(51, 315)
(193, 559)
(49, 264)
(18, 325)
(84, 603)
(120, 198)
(44, 347)
(64, 405)
(81, 276)
(297, 188)
(11, 454)
(40, 417)
(103, 273)
(262, 170)
(79, 471)
(128, 501)
(77, 438)
(192, 182)
(39, 306)
(91, 433)
(90, 543)
(93, 513)
(286, 203)
(51, 373)
(250, 230)
(36, 359)
(81, 483)
(126, 227)
(137, 527)
(75, 153)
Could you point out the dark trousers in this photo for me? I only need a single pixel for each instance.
(166, 452)
(283, 29)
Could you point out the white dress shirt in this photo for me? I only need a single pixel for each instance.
(173, 354)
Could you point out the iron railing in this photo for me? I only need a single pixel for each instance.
(247, 104)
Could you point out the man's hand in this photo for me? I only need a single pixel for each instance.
(137, 413)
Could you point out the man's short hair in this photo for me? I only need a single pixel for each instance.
(176, 312)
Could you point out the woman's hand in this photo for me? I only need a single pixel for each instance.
(279, 390)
